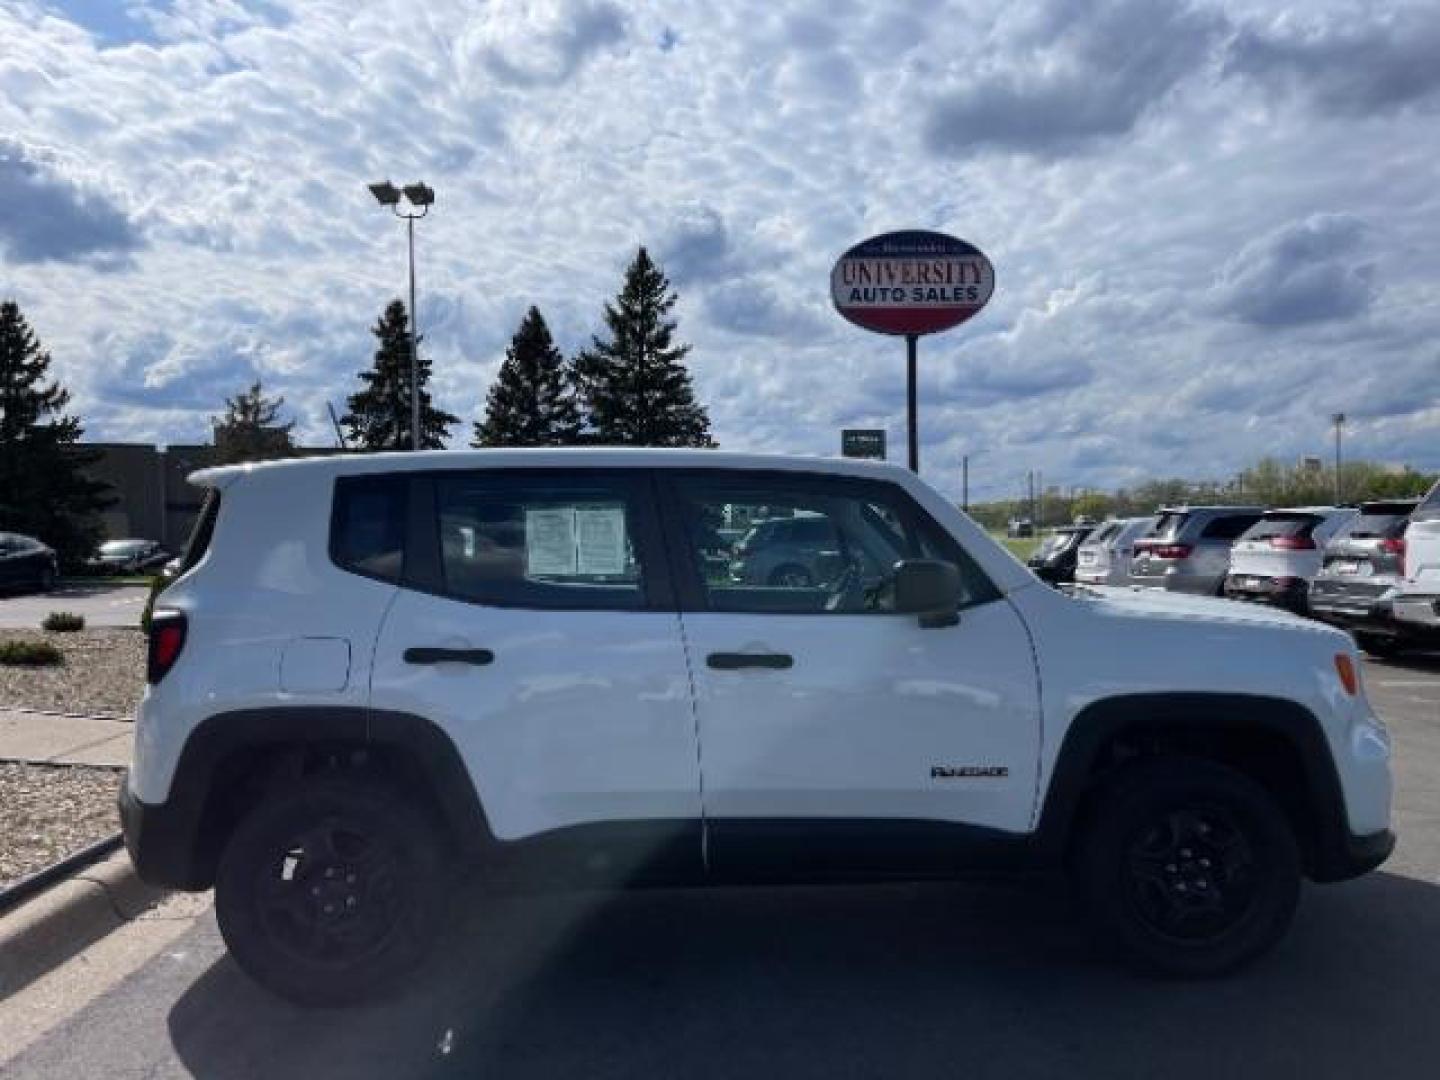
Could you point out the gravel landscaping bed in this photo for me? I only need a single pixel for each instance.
(103, 673)
(50, 811)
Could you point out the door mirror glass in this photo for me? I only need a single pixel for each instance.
(929, 588)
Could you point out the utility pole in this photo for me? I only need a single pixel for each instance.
(965, 482)
(1338, 419)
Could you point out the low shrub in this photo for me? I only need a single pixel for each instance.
(29, 654)
(63, 622)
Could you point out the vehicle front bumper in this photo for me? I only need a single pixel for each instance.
(161, 842)
(1354, 856)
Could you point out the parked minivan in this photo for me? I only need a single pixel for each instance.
(1364, 563)
(1188, 548)
(1105, 555)
(1275, 559)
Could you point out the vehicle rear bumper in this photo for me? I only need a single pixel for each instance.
(160, 840)
(1287, 593)
(1418, 611)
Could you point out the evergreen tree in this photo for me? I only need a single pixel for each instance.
(532, 402)
(379, 415)
(635, 384)
(250, 429)
(44, 491)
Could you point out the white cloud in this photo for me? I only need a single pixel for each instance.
(1164, 225)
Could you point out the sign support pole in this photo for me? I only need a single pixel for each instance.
(910, 409)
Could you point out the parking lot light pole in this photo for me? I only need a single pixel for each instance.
(420, 197)
(1338, 419)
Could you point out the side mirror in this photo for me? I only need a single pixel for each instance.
(929, 588)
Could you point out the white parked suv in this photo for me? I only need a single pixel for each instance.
(1416, 601)
(374, 670)
(1274, 561)
(1105, 555)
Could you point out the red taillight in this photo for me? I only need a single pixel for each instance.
(167, 638)
(1293, 543)
(1171, 551)
(1393, 545)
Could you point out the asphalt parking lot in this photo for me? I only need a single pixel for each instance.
(970, 980)
(102, 605)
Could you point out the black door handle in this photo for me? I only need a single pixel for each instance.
(478, 657)
(730, 661)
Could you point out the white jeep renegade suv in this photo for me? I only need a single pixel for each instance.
(375, 669)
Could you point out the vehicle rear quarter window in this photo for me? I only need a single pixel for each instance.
(367, 527)
(544, 540)
(1229, 526)
(202, 532)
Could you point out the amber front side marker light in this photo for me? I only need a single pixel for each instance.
(1345, 668)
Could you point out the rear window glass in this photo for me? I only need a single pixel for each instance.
(1230, 526)
(367, 528)
(1103, 534)
(1281, 525)
(1379, 522)
(1429, 508)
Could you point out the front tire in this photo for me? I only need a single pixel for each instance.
(331, 891)
(1188, 867)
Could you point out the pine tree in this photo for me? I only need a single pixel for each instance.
(44, 491)
(250, 429)
(379, 415)
(532, 402)
(635, 384)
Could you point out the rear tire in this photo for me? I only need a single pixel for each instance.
(331, 891)
(1188, 868)
(1379, 645)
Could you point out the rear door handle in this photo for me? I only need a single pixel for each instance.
(731, 661)
(477, 657)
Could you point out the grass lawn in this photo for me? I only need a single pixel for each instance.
(1021, 549)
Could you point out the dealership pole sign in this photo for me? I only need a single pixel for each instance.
(908, 284)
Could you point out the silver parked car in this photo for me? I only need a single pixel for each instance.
(1364, 563)
(1106, 554)
(1188, 548)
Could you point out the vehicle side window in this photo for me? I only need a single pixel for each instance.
(367, 525)
(1229, 526)
(560, 541)
(844, 539)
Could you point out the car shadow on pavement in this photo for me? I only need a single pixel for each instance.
(880, 981)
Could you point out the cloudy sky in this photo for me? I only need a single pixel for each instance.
(1213, 223)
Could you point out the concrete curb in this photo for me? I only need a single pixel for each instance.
(45, 931)
(67, 715)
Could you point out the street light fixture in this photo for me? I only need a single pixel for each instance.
(421, 197)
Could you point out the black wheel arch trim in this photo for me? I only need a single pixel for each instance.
(172, 843)
(1335, 850)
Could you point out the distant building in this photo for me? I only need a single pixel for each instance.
(152, 499)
